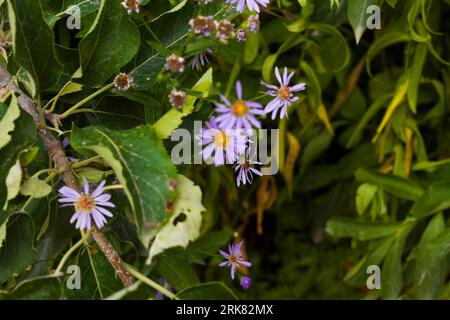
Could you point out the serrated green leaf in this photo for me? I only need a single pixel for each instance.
(139, 161)
(111, 43)
(18, 251)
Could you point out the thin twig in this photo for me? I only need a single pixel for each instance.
(56, 153)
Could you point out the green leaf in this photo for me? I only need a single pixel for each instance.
(111, 43)
(2, 234)
(35, 188)
(391, 271)
(40, 288)
(7, 122)
(427, 276)
(22, 138)
(415, 75)
(139, 161)
(18, 251)
(174, 267)
(208, 245)
(13, 181)
(361, 230)
(86, 7)
(333, 31)
(173, 118)
(387, 39)
(364, 196)
(251, 47)
(98, 278)
(357, 15)
(400, 187)
(185, 221)
(436, 198)
(33, 44)
(374, 256)
(208, 291)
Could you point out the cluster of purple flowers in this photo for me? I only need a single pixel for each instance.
(226, 137)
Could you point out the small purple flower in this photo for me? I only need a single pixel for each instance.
(252, 5)
(87, 205)
(234, 258)
(284, 93)
(240, 114)
(221, 145)
(246, 282)
(245, 169)
(201, 59)
(241, 35)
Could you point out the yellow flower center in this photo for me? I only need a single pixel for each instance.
(284, 92)
(239, 108)
(220, 139)
(85, 203)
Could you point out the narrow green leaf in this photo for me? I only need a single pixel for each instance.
(415, 75)
(357, 15)
(436, 198)
(400, 187)
(361, 230)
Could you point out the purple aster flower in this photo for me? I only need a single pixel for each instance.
(87, 205)
(240, 114)
(252, 5)
(246, 282)
(221, 145)
(201, 59)
(283, 94)
(245, 169)
(234, 258)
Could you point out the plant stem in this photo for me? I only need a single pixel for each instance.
(70, 251)
(85, 100)
(113, 187)
(150, 282)
(85, 162)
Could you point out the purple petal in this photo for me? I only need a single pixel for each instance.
(99, 190)
(239, 89)
(69, 192)
(277, 74)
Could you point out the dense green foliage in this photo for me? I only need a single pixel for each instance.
(364, 173)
